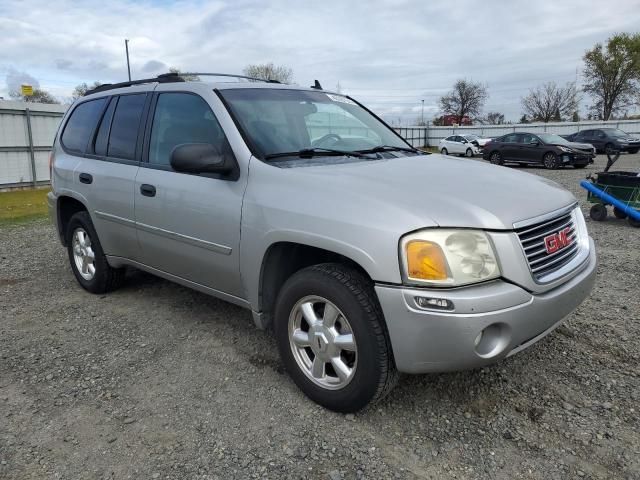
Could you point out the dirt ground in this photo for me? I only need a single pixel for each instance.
(155, 381)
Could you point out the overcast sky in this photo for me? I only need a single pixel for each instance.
(390, 54)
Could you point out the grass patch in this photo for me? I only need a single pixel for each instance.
(21, 205)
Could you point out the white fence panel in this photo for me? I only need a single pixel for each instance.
(417, 136)
(20, 158)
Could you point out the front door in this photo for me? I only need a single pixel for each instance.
(188, 224)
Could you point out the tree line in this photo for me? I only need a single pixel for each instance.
(611, 78)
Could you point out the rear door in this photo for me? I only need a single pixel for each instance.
(106, 171)
(188, 224)
(509, 147)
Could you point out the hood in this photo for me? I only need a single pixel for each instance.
(577, 146)
(428, 190)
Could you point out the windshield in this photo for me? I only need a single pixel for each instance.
(614, 132)
(280, 121)
(551, 138)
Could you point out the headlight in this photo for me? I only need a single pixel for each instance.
(565, 149)
(448, 257)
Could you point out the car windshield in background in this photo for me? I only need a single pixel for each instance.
(280, 122)
(552, 138)
(614, 132)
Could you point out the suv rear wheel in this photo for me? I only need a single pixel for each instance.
(87, 258)
(332, 337)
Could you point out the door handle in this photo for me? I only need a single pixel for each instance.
(148, 190)
(86, 178)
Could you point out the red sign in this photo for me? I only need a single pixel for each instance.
(558, 241)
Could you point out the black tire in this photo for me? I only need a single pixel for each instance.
(598, 212)
(633, 222)
(550, 161)
(444, 151)
(635, 150)
(619, 213)
(375, 374)
(608, 149)
(580, 165)
(105, 278)
(468, 153)
(496, 158)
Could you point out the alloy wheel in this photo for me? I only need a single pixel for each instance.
(83, 255)
(322, 342)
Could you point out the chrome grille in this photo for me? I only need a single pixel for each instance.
(532, 238)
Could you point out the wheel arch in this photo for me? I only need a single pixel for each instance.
(67, 206)
(281, 260)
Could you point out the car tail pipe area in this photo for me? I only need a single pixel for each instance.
(601, 194)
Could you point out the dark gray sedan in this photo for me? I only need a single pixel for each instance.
(547, 149)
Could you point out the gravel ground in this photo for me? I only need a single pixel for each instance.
(157, 381)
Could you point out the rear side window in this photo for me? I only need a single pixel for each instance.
(81, 124)
(102, 138)
(512, 138)
(124, 127)
(183, 118)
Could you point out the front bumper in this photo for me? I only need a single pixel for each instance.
(577, 158)
(510, 318)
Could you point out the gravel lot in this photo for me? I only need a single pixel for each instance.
(157, 381)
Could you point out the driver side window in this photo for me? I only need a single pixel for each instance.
(329, 119)
(182, 118)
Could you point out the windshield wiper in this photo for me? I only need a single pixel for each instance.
(390, 148)
(316, 151)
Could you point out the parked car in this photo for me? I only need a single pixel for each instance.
(547, 149)
(476, 140)
(458, 144)
(607, 140)
(365, 256)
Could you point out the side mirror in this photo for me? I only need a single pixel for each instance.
(199, 158)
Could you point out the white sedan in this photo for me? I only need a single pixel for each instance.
(458, 144)
(476, 140)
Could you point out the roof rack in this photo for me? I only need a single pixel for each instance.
(230, 75)
(170, 78)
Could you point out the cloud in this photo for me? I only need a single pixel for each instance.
(154, 66)
(16, 78)
(389, 54)
(63, 64)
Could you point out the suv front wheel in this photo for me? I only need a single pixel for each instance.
(332, 337)
(87, 258)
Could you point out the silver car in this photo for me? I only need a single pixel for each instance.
(365, 256)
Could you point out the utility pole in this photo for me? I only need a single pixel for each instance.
(126, 47)
(422, 114)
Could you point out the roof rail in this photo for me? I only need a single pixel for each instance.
(111, 86)
(170, 78)
(231, 75)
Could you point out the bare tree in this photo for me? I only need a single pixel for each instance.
(465, 100)
(38, 96)
(495, 118)
(82, 89)
(612, 74)
(269, 71)
(550, 102)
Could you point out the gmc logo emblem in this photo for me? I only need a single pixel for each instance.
(558, 241)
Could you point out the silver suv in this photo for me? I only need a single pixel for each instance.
(366, 256)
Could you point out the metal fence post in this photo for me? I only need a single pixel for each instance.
(31, 150)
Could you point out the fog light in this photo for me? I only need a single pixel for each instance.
(434, 303)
